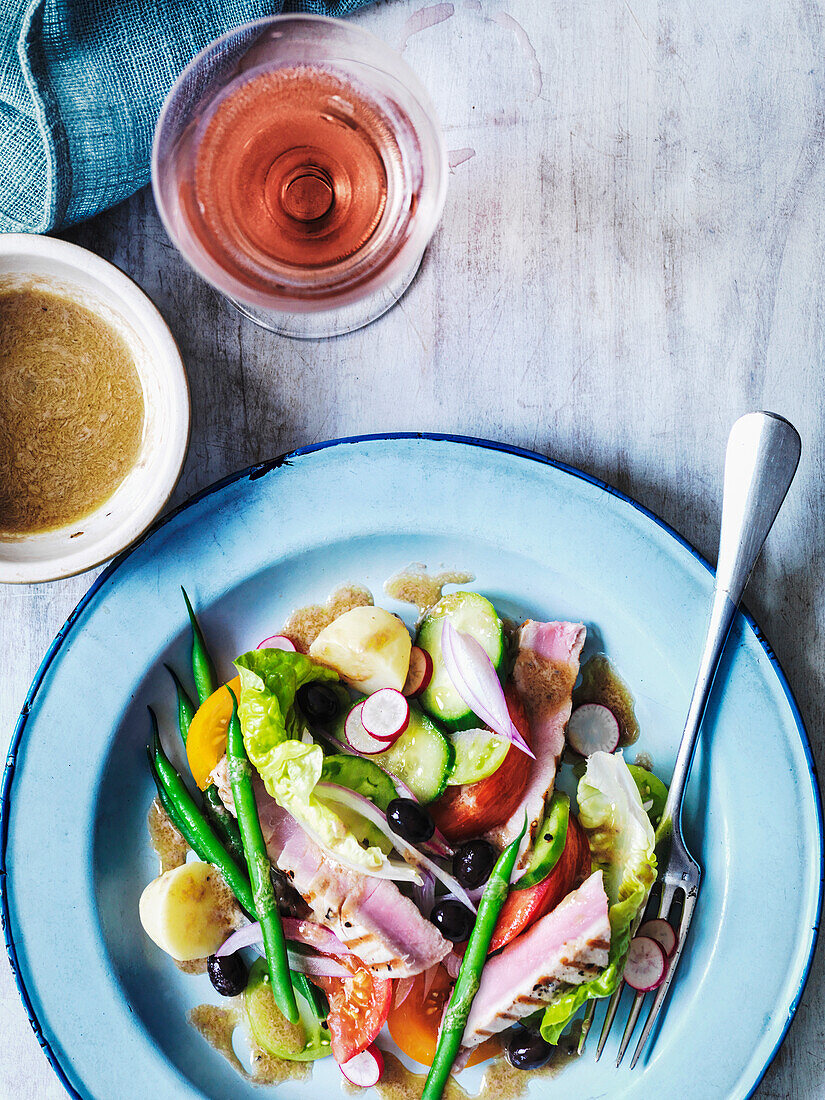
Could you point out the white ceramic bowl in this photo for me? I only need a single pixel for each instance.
(142, 494)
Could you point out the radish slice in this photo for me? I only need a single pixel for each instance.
(385, 715)
(477, 682)
(358, 737)
(662, 932)
(593, 728)
(646, 964)
(420, 672)
(364, 1069)
(278, 641)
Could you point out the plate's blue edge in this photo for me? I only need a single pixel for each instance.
(253, 473)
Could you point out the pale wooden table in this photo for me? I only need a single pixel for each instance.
(630, 257)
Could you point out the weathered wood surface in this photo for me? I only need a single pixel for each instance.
(630, 257)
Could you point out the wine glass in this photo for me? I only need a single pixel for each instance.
(299, 167)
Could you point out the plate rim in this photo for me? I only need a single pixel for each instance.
(258, 470)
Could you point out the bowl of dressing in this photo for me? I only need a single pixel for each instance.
(94, 410)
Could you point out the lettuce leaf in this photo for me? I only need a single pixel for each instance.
(621, 845)
(270, 679)
(272, 727)
(290, 776)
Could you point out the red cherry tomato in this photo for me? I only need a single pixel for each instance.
(471, 809)
(358, 1008)
(523, 907)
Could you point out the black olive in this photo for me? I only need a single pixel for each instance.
(410, 820)
(473, 863)
(527, 1050)
(319, 702)
(228, 974)
(453, 920)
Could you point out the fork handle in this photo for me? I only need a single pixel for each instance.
(760, 463)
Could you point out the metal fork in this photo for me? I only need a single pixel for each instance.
(760, 462)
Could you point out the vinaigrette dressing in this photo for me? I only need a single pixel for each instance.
(72, 410)
(304, 625)
(601, 683)
(500, 1080)
(416, 586)
(167, 843)
(218, 1025)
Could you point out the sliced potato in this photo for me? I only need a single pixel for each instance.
(189, 911)
(368, 647)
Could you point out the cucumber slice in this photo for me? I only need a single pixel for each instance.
(302, 1042)
(478, 753)
(422, 757)
(359, 775)
(472, 614)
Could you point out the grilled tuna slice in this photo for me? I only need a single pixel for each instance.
(569, 945)
(546, 668)
(369, 915)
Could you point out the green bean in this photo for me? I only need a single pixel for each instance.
(186, 708)
(469, 976)
(304, 986)
(216, 813)
(196, 830)
(202, 668)
(168, 805)
(224, 824)
(258, 864)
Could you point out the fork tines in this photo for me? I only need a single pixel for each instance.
(676, 887)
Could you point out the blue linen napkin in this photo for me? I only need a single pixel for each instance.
(81, 86)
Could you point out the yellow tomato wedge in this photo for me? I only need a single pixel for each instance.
(206, 743)
(414, 1023)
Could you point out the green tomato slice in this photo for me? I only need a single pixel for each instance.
(652, 790)
(478, 753)
(549, 844)
(302, 1042)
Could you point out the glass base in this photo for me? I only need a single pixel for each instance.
(321, 324)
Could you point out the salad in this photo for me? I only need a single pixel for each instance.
(379, 823)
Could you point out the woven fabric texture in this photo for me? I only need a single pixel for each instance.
(82, 83)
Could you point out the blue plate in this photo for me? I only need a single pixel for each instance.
(542, 541)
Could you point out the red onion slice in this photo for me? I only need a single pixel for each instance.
(245, 937)
(298, 931)
(437, 845)
(313, 935)
(371, 812)
(452, 964)
(319, 966)
(402, 990)
(477, 682)
(424, 896)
